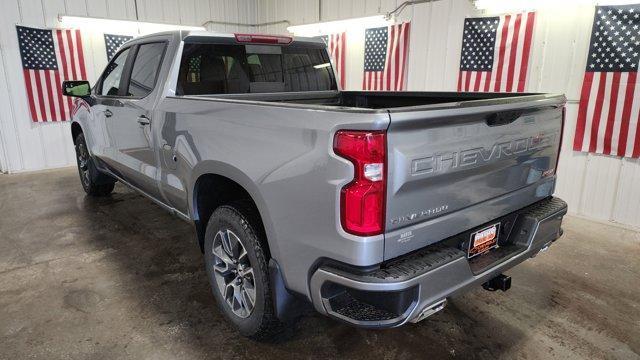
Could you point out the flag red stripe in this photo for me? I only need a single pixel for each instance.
(40, 94)
(514, 47)
(460, 74)
(613, 103)
(390, 55)
(525, 51)
(405, 51)
(399, 56)
(476, 86)
(336, 46)
(32, 106)
(501, 51)
(63, 114)
(72, 58)
(467, 81)
(597, 113)
(50, 103)
(63, 60)
(582, 111)
(626, 113)
(80, 55)
(487, 82)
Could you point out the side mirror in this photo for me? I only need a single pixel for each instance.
(78, 88)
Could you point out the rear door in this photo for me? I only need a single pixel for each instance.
(452, 169)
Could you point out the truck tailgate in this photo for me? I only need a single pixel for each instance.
(454, 168)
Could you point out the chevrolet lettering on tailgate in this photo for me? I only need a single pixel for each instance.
(478, 156)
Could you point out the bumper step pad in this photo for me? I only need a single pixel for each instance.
(351, 308)
(417, 263)
(543, 209)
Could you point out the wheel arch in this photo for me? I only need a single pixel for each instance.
(215, 184)
(76, 129)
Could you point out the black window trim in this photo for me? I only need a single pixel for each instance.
(99, 83)
(129, 70)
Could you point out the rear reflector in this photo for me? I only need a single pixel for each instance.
(362, 201)
(263, 39)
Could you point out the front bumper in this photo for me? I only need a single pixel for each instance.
(417, 284)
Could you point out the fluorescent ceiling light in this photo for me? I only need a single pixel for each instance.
(515, 5)
(120, 26)
(332, 27)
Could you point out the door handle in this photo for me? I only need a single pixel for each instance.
(108, 113)
(143, 120)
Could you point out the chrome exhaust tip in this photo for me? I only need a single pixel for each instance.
(430, 310)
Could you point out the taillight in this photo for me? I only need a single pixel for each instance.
(362, 201)
(263, 39)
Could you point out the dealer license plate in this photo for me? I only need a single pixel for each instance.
(483, 240)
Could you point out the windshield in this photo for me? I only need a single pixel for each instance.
(237, 69)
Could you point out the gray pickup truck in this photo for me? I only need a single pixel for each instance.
(373, 207)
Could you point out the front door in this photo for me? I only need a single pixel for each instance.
(107, 102)
(133, 123)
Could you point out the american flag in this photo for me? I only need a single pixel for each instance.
(113, 42)
(336, 45)
(385, 57)
(50, 56)
(610, 97)
(495, 53)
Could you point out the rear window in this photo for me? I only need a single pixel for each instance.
(237, 69)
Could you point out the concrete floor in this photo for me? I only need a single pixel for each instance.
(119, 278)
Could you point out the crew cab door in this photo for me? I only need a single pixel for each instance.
(131, 119)
(107, 101)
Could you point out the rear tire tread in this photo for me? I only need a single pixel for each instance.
(243, 213)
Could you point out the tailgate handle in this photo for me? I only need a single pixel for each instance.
(503, 118)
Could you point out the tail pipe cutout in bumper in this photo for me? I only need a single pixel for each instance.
(417, 285)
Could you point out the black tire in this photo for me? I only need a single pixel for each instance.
(93, 181)
(241, 219)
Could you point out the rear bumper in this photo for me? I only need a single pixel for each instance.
(406, 288)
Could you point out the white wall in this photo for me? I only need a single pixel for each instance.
(599, 187)
(32, 146)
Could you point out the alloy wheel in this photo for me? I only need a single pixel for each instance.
(233, 273)
(83, 162)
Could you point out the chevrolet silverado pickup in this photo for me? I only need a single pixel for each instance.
(374, 208)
